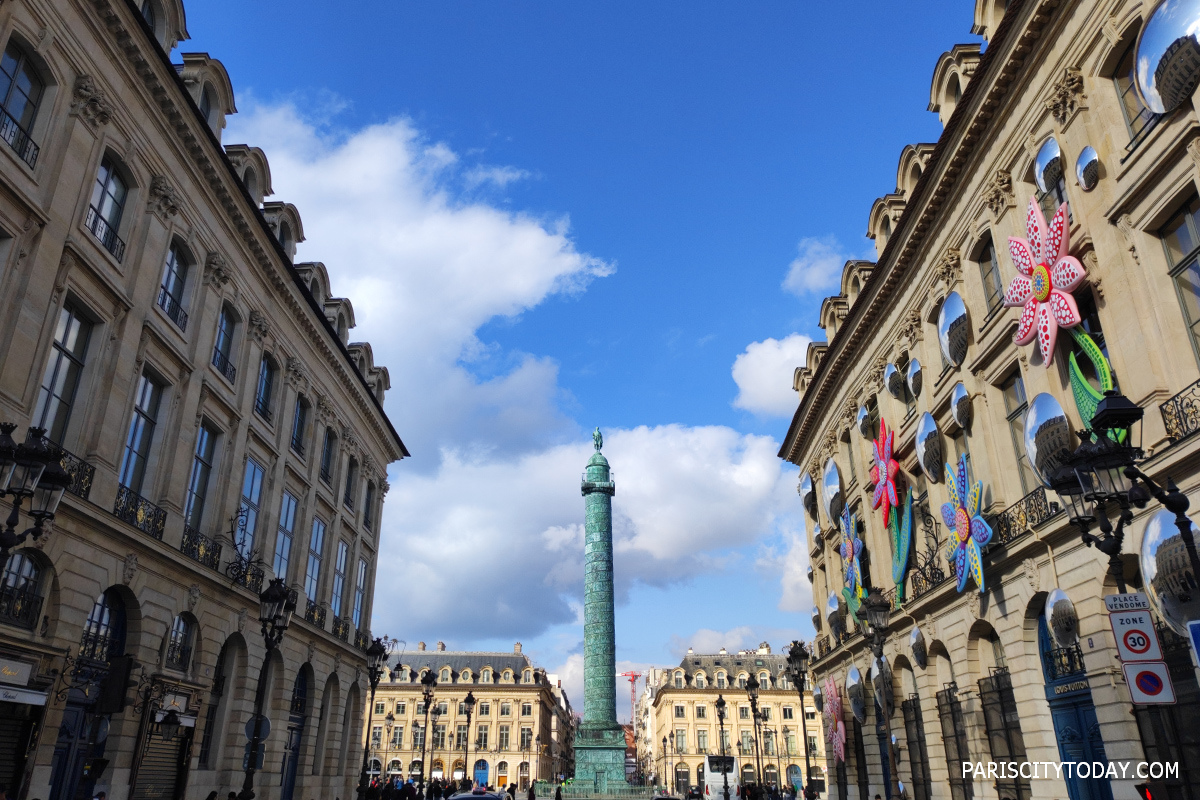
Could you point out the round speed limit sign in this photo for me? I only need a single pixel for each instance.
(1135, 635)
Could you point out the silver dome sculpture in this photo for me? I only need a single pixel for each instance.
(1167, 573)
(954, 329)
(808, 495)
(856, 694)
(914, 377)
(960, 405)
(880, 675)
(1047, 436)
(1087, 168)
(810, 573)
(916, 645)
(893, 381)
(818, 697)
(863, 421)
(1048, 166)
(929, 447)
(835, 614)
(1168, 55)
(816, 618)
(1061, 618)
(831, 491)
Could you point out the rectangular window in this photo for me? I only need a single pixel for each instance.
(1016, 406)
(503, 737)
(989, 271)
(339, 578)
(744, 712)
(702, 741)
(918, 754)
(680, 712)
(506, 709)
(202, 463)
(439, 736)
(962, 449)
(418, 737)
(283, 536)
(401, 706)
(377, 736)
(485, 709)
(481, 737)
(1003, 723)
(398, 736)
(170, 293)
(299, 422)
(141, 434)
(954, 738)
(526, 709)
(680, 740)
(380, 707)
(747, 742)
(766, 713)
(1138, 118)
(810, 715)
(316, 547)
(108, 204)
(351, 484)
(360, 590)
(264, 393)
(1180, 237)
(701, 712)
(460, 737)
(526, 738)
(812, 745)
(720, 681)
(788, 712)
(223, 347)
(420, 707)
(327, 448)
(725, 745)
(57, 396)
(251, 498)
(369, 507)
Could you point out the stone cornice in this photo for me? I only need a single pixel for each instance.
(998, 68)
(209, 158)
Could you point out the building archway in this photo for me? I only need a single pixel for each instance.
(748, 774)
(481, 772)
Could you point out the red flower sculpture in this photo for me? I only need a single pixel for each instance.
(1048, 276)
(884, 472)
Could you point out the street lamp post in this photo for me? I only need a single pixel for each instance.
(377, 655)
(28, 470)
(725, 764)
(752, 687)
(389, 722)
(875, 612)
(536, 767)
(798, 660)
(435, 715)
(276, 604)
(428, 684)
(469, 702)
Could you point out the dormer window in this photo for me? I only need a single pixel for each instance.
(206, 104)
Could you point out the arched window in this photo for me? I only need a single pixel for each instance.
(1137, 116)
(342, 330)
(104, 632)
(179, 645)
(207, 103)
(107, 206)
(698, 681)
(148, 13)
(250, 181)
(445, 676)
(286, 238)
(222, 357)
(720, 680)
(527, 676)
(764, 680)
(174, 280)
(21, 89)
(314, 288)
(265, 392)
(20, 603)
(678, 680)
(508, 675)
(485, 676)
(742, 681)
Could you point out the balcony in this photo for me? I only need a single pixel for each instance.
(924, 579)
(172, 308)
(262, 407)
(1063, 662)
(221, 362)
(341, 629)
(140, 513)
(298, 443)
(179, 656)
(20, 607)
(200, 548)
(107, 235)
(362, 640)
(1181, 414)
(315, 614)
(244, 573)
(326, 478)
(18, 139)
(82, 473)
(824, 645)
(98, 646)
(1022, 516)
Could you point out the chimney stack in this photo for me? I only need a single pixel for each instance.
(421, 646)
(441, 647)
(723, 652)
(517, 648)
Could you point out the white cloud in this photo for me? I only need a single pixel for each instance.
(817, 265)
(742, 637)
(763, 374)
(496, 176)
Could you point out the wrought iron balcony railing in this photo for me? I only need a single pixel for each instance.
(199, 547)
(223, 365)
(179, 656)
(82, 473)
(325, 476)
(140, 512)
(106, 234)
(925, 579)
(1063, 662)
(1181, 414)
(824, 645)
(20, 607)
(362, 640)
(98, 646)
(174, 310)
(315, 613)
(243, 573)
(18, 139)
(1027, 513)
(262, 407)
(341, 628)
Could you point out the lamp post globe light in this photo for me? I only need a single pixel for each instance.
(469, 702)
(276, 604)
(377, 655)
(720, 704)
(28, 470)
(798, 659)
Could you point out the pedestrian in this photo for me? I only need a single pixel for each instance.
(558, 792)
(101, 796)
(232, 796)
(212, 795)
(531, 795)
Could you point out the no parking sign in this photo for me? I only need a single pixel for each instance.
(1149, 683)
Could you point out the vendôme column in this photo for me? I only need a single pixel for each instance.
(600, 742)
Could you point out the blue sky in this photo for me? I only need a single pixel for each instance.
(552, 216)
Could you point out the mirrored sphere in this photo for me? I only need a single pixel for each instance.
(1087, 168)
(1168, 55)
(913, 376)
(954, 329)
(894, 381)
(1047, 436)
(863, 421)
(808, 495)
(1048, 166)
(929, 447)
(1167, 573)
(916, 644)
(831, 491)
(856, 694)
(880, 675)
(835, 613)
(816, 618)
(818, 697)
(810, 573)
(1061, 618)
(960, 405)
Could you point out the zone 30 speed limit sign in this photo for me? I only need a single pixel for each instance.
(1135, 635)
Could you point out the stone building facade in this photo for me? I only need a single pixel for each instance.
(521, 730)
(219, 426)
(678, 706)
(986, 681)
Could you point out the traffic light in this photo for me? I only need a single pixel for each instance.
(1152, 790)
(111, 695)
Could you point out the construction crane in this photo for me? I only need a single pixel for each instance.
(633, 679)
